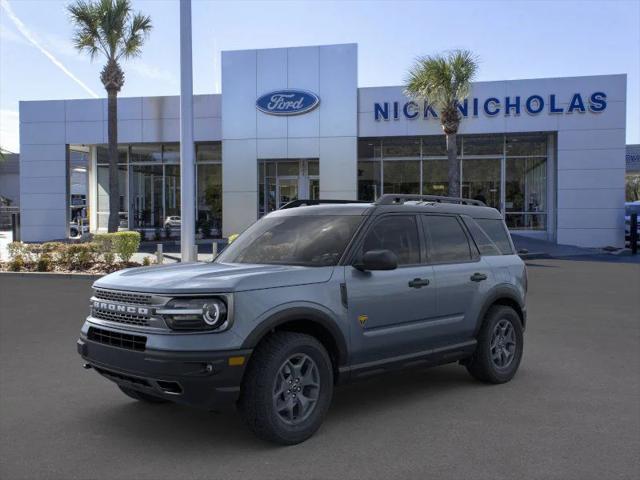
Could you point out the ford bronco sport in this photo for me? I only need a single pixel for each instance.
(309, 297)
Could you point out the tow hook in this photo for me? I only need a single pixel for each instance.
(86, 366)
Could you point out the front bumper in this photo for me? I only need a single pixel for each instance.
(200, 379)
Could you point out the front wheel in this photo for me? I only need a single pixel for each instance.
(500, 345)
(287, 388)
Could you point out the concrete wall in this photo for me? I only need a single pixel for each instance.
(329, 132)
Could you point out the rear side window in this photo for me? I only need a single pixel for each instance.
(484, 243)
(398, 233)
(497, 233)
(447, 241)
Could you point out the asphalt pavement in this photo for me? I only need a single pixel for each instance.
(572, 411)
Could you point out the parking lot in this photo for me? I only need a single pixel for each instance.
(572, 411)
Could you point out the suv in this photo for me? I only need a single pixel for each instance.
(310, 297)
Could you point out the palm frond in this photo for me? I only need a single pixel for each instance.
(442, 80)
(139, 28)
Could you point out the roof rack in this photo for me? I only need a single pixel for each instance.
(393, 199)
(306, 203)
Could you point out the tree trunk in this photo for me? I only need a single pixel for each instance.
(114, 184)
(454, 165)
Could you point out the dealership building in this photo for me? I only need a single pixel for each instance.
(291, 123)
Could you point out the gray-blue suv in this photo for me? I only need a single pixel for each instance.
(312, 296)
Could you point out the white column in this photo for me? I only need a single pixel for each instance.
(187, 148)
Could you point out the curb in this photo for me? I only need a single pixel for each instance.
(91, 276)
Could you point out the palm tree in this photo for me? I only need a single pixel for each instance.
(444, 81)
(112, 29)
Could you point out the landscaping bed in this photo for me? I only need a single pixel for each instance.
(101, 253)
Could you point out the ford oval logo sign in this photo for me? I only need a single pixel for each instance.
(287, 102)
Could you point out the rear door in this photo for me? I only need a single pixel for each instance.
(462, 277)
(389, 311)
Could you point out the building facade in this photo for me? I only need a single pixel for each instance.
(292, 123)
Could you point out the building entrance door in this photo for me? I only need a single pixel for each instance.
(282, 181)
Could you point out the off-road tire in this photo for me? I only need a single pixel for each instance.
(481, 365)
(256, 402)
(141, 396)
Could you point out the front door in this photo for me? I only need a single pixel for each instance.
(287, 190)
(390, 311)
(282, 181)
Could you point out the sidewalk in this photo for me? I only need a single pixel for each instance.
(537, 249)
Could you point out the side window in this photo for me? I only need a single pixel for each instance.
(398, 233)
(484, 243)
(447, 240)
(497, 233)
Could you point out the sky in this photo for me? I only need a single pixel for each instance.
(512, 39)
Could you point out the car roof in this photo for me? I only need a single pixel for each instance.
(473, 211)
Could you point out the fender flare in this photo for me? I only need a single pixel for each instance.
(308, 314)
(502, 292)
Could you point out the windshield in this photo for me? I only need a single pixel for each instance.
(313, 240)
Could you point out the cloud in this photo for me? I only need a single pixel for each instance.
(9, 130)
(151, 72)
(24, 30)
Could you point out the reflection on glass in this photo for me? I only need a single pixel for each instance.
(368, 181)
(209, 194)
(103, 195)
(171, 153)
(526, 221)
(435, 177)
(401, 147)
(526, 144)
(483, 145)
(481, 180)
(172, 190)
(435, 146)
(209, 152)
(146, 152)
(102, 154)
(146, 190)
(402, 176)
(526, 184)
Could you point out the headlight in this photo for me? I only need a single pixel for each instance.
(196, 314)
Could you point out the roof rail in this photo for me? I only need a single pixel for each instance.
(393, 199)
(306, 203)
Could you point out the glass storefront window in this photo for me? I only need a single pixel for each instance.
(435, 177)
(481, 180)
(146, 190)
(401, 176)
(402, 147)
(369, 148)
(171, 153)
(102, 154)
(368, 181)
(102, 191)
(526, 144)
(209, 193)
(208, 152)
(146, 152)
(482, 145)
(171, 191)
(526, 193)
(435, 146)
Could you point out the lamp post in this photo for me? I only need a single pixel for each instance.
(187, 148)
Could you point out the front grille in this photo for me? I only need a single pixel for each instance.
(124, 297)
(115, 376)
(126, 318)
(117, 339)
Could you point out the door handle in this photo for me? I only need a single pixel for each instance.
(418, 282)
(478, 277)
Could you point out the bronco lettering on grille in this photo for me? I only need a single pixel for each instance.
(115, 307)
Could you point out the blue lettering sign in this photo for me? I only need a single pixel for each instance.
(428, 109)
(496, 104)
(395, 111)
(287, 102)
(576, 104)
(380, 111)
(534, 104)
(509, 105)
(464, 107)
(411, 110)
(598, 102)
(552, 105)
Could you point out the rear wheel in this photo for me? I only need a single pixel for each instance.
(500, 345)
(287, 388)
(141, 396)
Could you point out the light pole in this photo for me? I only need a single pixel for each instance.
(187, 148)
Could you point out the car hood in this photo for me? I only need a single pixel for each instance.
(212, 277)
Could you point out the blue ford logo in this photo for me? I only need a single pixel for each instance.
(287, 102)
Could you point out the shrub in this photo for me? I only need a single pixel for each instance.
(16, 263)
(104, 241)
(146, 262)
(17, 249)
(78, 256)
(45, 263)
(125, 244)
(142, 233)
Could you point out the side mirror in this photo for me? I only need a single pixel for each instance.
(523, 251)
(377, 260)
